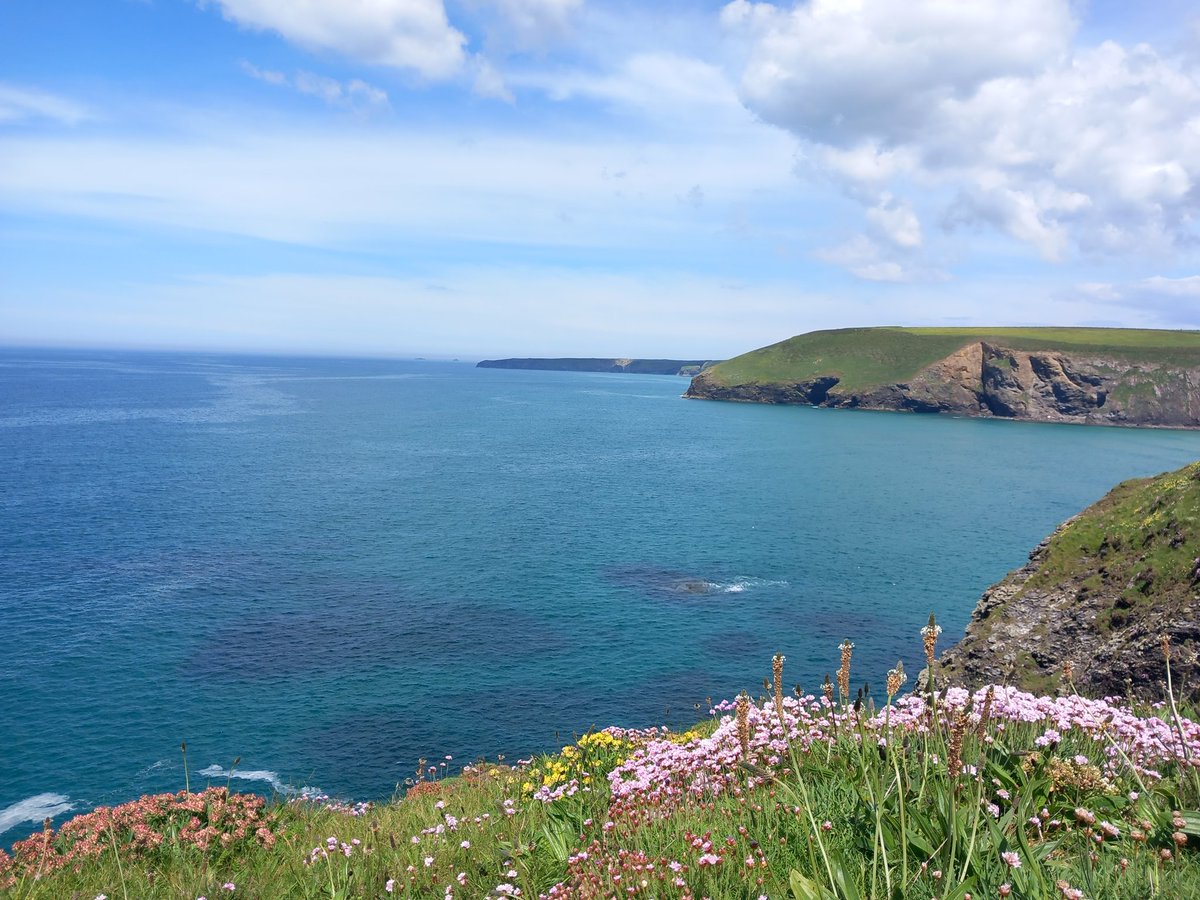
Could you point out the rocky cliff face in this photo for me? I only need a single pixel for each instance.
(1100, 594)
(984, 379)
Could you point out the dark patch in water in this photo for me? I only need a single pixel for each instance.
(368, 629)
(661, 583)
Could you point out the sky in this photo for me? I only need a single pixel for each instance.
(487, 178)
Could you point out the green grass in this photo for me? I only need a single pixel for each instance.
(843, 819)
(863, 358)
(1145, 533)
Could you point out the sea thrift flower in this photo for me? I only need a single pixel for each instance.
(1012, 859)
(390, 885)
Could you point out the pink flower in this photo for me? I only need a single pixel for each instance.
(390, 885)
(1012, 858)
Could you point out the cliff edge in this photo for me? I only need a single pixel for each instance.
(1100, 593)
(1098, 376)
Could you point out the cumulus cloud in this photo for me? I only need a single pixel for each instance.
(22, 103)
(896, 221)
(988, 112)
(353, 94)
(407, 34)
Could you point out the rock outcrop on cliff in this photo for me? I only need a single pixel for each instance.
(1100, 593)
(1079, 382)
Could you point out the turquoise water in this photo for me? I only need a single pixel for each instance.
(332, 568)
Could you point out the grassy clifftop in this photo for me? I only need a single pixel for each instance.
(1106, 376)
(865, 358)
(1099, 596)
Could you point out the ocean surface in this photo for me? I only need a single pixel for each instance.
(333, 568)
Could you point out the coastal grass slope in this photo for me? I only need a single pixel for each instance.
(811, 797)
(866, 358)
(1109, 584)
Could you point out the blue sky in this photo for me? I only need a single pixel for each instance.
(581, 177)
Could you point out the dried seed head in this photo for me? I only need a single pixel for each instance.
(896, 679)
(986, 715)
(827, 688)
(777, 674)
(843, 676)
(1166, 647)
(929, 636)
(1068, 671)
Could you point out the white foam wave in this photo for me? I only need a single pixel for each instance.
(743, 584)
(264, 775)
(34, 809)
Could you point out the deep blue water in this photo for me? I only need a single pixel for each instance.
(331, 568)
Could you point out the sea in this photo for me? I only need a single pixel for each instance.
(317, 572)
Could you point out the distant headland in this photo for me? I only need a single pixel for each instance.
(686, 367)
(1096, 376)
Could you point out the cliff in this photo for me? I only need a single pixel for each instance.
(630, 366)
(1100, 593)
(1080, 375)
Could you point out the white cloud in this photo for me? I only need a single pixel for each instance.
(21, 103)
(988, 108)
(407, 34)
(864, 258)
(489, 82)
(536, 23)
(268, 75)
(375, 183)
(846, 71)
(353, 94)
(662, 87)
(1188, 286)
(896, 221)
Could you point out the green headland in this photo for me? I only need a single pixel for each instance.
(1113, 376)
